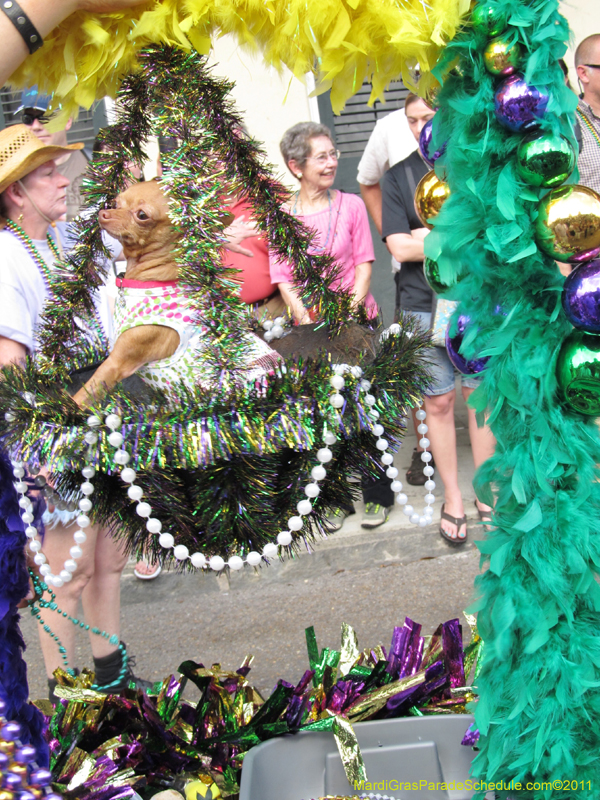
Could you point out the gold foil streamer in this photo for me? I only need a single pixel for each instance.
(367, 706)
(349, 749)
(78, 761)
(350, 652)
(80, 695)
(473, 651)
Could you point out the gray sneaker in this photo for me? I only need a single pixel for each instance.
(335, 519)
(374, 516)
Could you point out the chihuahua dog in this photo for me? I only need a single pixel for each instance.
(155, 333)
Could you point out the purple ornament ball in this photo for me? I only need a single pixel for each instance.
(453, 342)
(26, 795)
(40, 777)
(2, 706)
(519, 106)
(12, 782)
(25, 754)
(10, 731)
(581, 297)
(425, 145)
(4, 760)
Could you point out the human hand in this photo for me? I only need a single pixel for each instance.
(237, 232)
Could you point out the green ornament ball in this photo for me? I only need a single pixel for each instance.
(502, 56)
(546, 160)
(578, 373)
(488, 20)
(431, 271)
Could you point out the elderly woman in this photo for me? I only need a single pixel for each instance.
(339, 220)
(341, 227)
(32, 198)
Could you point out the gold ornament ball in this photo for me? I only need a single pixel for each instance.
(430, 196)
(6, 795)
(568, 224)
(7, 747)
(501, 56)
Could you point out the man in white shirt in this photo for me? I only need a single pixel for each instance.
(390, 142)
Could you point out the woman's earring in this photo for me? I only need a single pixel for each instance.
(20, 217)
(299, 176)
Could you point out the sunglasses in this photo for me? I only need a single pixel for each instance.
(29, 117)
(593, 66)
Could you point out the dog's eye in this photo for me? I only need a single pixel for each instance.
(142, 215)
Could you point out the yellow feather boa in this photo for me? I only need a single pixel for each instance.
(342, 41)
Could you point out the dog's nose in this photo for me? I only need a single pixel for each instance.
(104, 214)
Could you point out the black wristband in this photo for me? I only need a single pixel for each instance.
(23, 24)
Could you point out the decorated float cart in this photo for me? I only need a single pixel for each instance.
(249, 471)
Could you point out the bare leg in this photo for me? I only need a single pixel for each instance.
(483, 442)
(57, 543)
(101, 598)
(442, 434)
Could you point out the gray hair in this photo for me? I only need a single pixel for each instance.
(296, 142)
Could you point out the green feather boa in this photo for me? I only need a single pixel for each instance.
(538, 600)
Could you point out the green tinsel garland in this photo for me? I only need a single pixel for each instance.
(539, 598)
(222, 472)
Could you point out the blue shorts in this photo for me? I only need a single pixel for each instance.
(442, 369)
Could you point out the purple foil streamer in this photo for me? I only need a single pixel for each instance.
(406, 650)
(453, 652)
(471, 737)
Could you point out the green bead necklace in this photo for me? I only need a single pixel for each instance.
(40, 588)
(91, 320)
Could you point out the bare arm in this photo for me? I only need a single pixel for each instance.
(292, 300)
(45, 15)
(362, 282)
(11, 351)
(372, 198)
(407, 246)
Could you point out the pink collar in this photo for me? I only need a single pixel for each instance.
(126, 283)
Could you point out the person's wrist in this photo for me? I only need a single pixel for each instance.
(44, 14)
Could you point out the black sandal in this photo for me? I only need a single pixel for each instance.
(459, 522)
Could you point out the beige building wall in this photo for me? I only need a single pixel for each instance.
(583, 17)
(269, 102)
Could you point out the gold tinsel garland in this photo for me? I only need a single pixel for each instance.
(342, 41)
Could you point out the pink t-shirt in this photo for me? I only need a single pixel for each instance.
(349, 242)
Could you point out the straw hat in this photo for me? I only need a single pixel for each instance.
(21, 152)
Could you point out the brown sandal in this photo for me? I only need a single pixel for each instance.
(459, 522)
(484, 516)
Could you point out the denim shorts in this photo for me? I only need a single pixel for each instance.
(442, 369)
